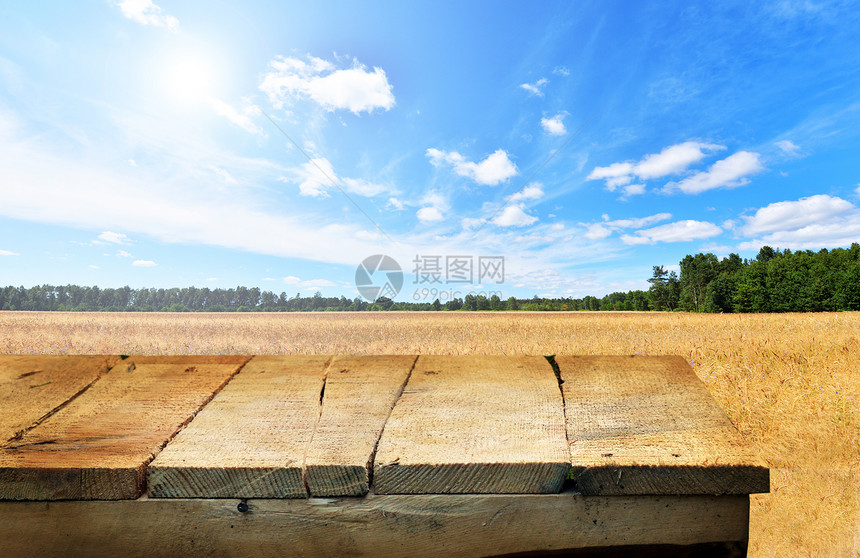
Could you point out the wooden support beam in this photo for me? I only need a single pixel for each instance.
(98, 445)
(475, 424)
(647, 425)
(379, 526)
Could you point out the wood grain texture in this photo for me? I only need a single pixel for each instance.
(34, 387)
(475, 424)
(98, 446)
(379, 526)
(250, 441)
(360, 392)
(647, 425)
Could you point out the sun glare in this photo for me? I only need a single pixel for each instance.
(189, 78)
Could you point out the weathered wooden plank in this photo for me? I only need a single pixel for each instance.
(250, 440)
(475, 424)
(33, 387)
(360, 392)
(647, 425)
(379, 526)
(97, 446)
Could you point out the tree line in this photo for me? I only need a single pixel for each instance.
(774, 281)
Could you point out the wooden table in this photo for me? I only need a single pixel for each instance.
(396, 455)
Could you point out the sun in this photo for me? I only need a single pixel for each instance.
(189, 77)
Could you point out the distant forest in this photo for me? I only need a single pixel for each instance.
(775, 281)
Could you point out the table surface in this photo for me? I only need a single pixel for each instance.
(235, 426)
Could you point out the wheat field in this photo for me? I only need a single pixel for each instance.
(789, 382)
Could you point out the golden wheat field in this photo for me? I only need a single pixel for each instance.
(789, 382)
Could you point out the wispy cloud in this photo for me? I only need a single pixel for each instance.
(357, 89)
(241, 119)
(680, 231)
(114, 237)
(8, 253)
(147, 13)
(493, 170)
(317, 176)
(561, 71)
(605, 228)
(535, 88)
(788, 147)
(632, 190)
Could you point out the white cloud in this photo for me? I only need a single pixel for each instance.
(597, 231)
(536, 87)
(554, 126)
(814, 222)
(241, 119)
(674, 159)
(788, 147)
(533, 191)
(435, 206)
(91, 266)
(561, 71)
(731, 172)
(292, 280)
(317, 177)
(114, 237)
(789, 215)
(429, 214)
(496, 168)
(147, 13)
(8, 253)
(46, 182)
(614, 171)
(123, 254)
(396, 204)
(633, 190)
(356, 89)
(680, 231)
(514, 216)
(143, 263)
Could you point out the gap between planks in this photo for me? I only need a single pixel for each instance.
(191, 417)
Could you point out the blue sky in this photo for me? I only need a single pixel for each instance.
(279, 144)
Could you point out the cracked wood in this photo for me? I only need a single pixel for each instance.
(475, 424)
(98, 446)
(250, 441)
